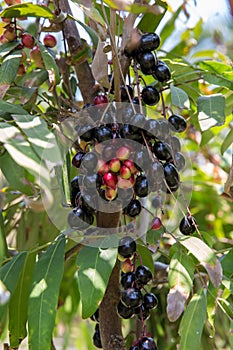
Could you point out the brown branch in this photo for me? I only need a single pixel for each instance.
(86, 80)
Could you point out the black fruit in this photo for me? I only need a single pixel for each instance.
(124, 311)
(150, 95)
(147, 343)
(147, 62)
(124, 94)
(143, 274)
(89, 161)
(153, 127)
(103, 133)
(78, 219)
(131, 297)
(142, 312)
(171, 176)
(162, 150)
(95, 316)
(149, 42)
(96, 337)
(86, 132)
(127, 280)
(137, 120)
(187, 225)
(175, 144)
(150, 301)
(141, 186)
(133, 208)
(162, 72)
(179, 160)
(77, 159)
(134, 347)
(177, 123)
(127, 247)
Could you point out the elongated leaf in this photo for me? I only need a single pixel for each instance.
(3, 243)
(18, 308)
(93, 35)
(40, 137)
(6, 48)
(211, 111)
(11, 108)
(212, 294)
(206, 257)
(99, 65)
(226, 263)
(27, 9)
(9, 276)
(192, 322)
(50, 66)
(149, 21)
(91, 12)
(43, 298)
(179, 97)
(93, 276)
(8, 71)
(227, 307)
(180, 276)
(170, 26)
(145, 255)
(227, 141)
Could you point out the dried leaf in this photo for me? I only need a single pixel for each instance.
(175, 304)
(3, 89)
(100, 65)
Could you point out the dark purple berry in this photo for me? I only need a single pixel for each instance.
(141, 186)
(124, 311)
(131, 297)
(96, 337)
(89, 161)
(147, 62)
(133, 208)
(78, 219)
(147, 343)
(149, 42)
(162, 72)
(127, 280)
(124, 94)
(142, 312)
(77, 159)
(150, 95)
(177, 123)
(127, 247)
(162, 150)
(103, 133)
(188, 225)
(179, 160)
(150, 301)
(171, 176)
(95, 316)
(143, 274)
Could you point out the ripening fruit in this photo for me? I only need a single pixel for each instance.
(27, 40)
(9, 34)
(36, 57)
(50, 40)
(21, 70)
(12, 2)
(3, 40)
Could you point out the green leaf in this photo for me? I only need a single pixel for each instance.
(18, 308)
(3, 242)
(227, 141)
(6, 48)
(146, 256)
(153, 236)
(227, 307)
(8, 71)
(192, 322)
(8, 107)
(180, 277)
(9, 276)
(93, 35)
(93, 275)
(212, 294)
(91, 12)
(226, 263)
(43, 298)
(40, 137)
(211, 111)
(169, 26)
(27, 9)
(16, 175)
(50, 65)
(179, 97)
(149, 21)
(206, 257)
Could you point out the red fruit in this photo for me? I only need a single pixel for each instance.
(127, 266)
(24, 57)
(130, 164)
(123, 153)
(50, 40)
(28, 41)
(21, 70)
(156, 223)
(110, 180)
(12, 2)
(36, 57)
(114, 165)
(125, 172)
(126, 183)
(9, 34)
(6, 20)
(100, 99)
(110, 194)
(3, 40)
(102, 167)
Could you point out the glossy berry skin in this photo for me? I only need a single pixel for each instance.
(86, 132)
(100, 99)
(187, 226)
(141, 186)
(124, 94)
(161, 151)
(150, 301)
(96, 337)
(171, 175)
(147, 343)
(177, 123)
(133, 208)
(149, 42)
(127, 280)
(143, 274)
(124, 311)
(127, 247)
(95, 316)
(134, 347)
(131, 297)
(150, 95)
(103, 133)
(179, 160)
(156, 224)
(162, 72)
(78, 219)
(147, 63)
(77, 159)
(27, 40)
(50, 40)
(142, 312)
(89, 161)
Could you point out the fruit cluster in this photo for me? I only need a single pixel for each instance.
(123, 159)
(146, 59)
